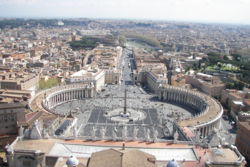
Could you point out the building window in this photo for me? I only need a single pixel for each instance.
(9, 117)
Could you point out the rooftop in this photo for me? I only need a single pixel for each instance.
(223, 155)
(12, 105)
(246, 125)
(121, 158)
(81, 148)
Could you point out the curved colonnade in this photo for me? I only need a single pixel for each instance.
(207, 119)
(48, 99)
(209, 111)
(70, 92)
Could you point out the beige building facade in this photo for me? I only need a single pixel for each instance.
(206, 83)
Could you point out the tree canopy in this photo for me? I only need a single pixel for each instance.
(51, 82)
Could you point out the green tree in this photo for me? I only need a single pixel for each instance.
(51, 82)
(225, 57)
(143, 38)
(122, 40)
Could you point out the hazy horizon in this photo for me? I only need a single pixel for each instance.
(204, 11)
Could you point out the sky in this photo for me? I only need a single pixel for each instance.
(215, 11)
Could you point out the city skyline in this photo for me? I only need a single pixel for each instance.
(219, 11)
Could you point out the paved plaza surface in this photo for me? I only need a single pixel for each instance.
(92, 119)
